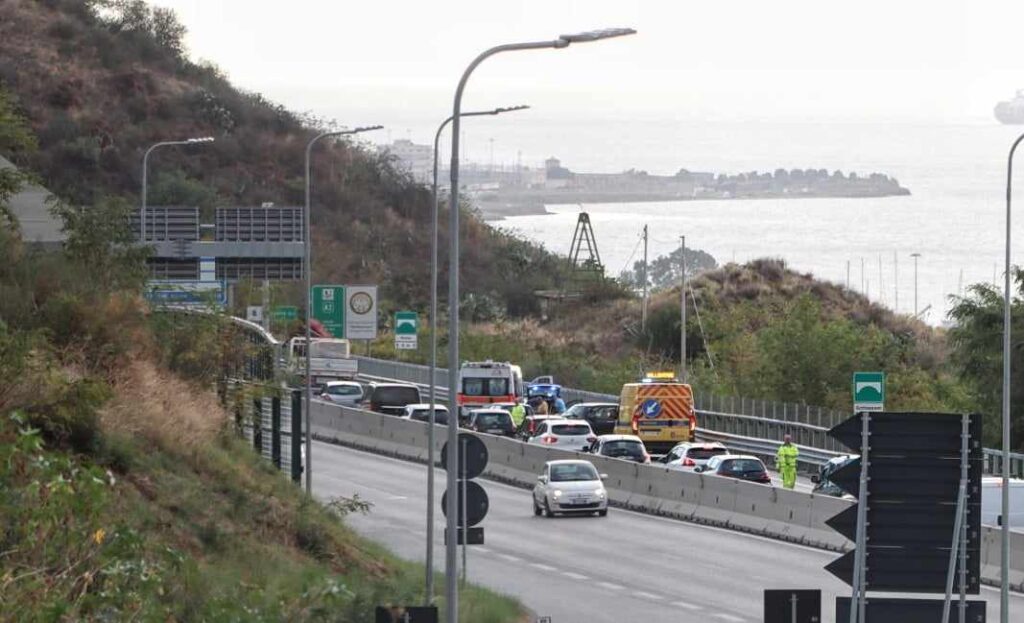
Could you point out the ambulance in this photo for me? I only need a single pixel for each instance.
(483, 383)
(659, 410)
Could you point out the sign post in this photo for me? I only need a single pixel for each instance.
(868, 391)
(918, 485)
(406, 325)
(329, 308)
(360, 322)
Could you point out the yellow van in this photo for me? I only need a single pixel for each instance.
(659, 410)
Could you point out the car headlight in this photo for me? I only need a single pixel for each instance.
(557, 493)
(599, 493)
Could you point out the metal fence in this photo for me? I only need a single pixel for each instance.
(266, 416)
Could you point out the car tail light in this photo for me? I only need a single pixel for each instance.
(647, 458)
(688, 462)
(591, 439)
(549, 439)
(764, 478)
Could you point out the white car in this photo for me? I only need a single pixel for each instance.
(691, 454)
(347, 393)
(571, 486)
(564, 434)
(420, 412)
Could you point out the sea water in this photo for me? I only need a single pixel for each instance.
(954, 218)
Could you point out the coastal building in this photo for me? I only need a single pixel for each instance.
(413, 158)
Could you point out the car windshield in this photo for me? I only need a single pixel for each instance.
(570, 429)
(623, 447)
(396, 395)
(493, 419)
(575, 411)
(423, 415)
(344, 390)
(573, 472)
(702, 454)
(485, 387)
(742, 466)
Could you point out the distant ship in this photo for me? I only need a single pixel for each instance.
(1011, 112)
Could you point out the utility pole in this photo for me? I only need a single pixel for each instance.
(682, 308)
(643, 309)
(847, 274)
(881, 285)
(266, 304)
(896, 281)
(915, 256)
(862, 275)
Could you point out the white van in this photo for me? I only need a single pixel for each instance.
(992, 501)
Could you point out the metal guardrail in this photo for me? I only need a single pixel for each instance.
(753, 433)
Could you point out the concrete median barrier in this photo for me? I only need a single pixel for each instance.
(768, 511)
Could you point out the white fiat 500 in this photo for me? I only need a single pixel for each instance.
(570, 486)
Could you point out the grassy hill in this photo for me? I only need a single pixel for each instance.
(101, 81)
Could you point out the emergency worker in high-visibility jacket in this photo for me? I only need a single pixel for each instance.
(518, 413)
(785, 462)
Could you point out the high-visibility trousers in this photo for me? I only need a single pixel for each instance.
(789, 477)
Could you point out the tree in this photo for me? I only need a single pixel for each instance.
(100, 237)
(16, 138)
(977, 343)
(664, 271)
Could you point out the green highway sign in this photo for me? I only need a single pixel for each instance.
(329, 308)
(868, 391)
(285, 312)
(406, 324)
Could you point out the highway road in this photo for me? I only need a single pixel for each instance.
(625, 568)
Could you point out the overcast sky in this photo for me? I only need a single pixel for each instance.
(904, 60)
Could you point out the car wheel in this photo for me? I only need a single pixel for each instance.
(547, 510)
(536, 509)
(602, 513)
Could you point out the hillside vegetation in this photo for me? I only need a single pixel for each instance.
(101, 81)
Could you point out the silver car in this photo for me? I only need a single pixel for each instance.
(347, 393)
(570, 486)
(692, 454)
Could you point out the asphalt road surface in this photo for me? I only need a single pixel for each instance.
(624, 568)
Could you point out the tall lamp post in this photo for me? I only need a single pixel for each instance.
(1004, 598)
(433, 346)
(451, 585)
(145, 175)
(307, 269)
(915, 256)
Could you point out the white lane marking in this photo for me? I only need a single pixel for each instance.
(610, 586)
(650, 596)
(510, 557)
(729, 617)
(575, 576)
(686, 606)
(541, 566)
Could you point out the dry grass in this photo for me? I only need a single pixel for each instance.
(157, 406)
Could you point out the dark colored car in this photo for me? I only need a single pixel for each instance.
(739, 466)
(390, 398)
(601, 415)
(491, 421)
(625, 447)
(821, 481)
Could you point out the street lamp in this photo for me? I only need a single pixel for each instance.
(307, 269)
(433, 345)
(1004, 599)
(145, 170)
(915, 256)
(452, 591)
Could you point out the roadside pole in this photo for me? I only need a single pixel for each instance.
(682, 308)
(643, 309)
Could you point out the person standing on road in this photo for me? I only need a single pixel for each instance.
(785, 461)
(518, 413)
(542, 407)
(559, 405)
